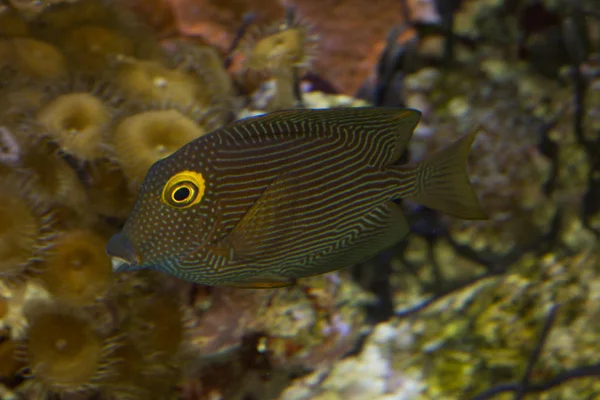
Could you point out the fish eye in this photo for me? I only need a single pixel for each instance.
(183, 193)
(183, 189)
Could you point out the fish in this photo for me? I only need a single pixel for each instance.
(270, 199)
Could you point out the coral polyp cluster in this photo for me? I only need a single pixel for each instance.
(89, 101)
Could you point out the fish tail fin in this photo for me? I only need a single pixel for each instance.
(442, 182)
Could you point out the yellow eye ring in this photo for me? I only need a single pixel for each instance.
(184, 189)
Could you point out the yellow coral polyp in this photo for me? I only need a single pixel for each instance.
(77, 122)
(77, 269)
(64, 351)
(18, 230)
(142, 139)
(279, 49)
(130, 379)
(19, 99)
(9, 364)
(91, 47)
(206, 64)
(25, 228)
(149, 80)
(281, 46)
(157, 325)
(107, 189)
(34, 58)
(57, 18)
(54, 181)
(11, 23)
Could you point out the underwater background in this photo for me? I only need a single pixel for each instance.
(93, 92)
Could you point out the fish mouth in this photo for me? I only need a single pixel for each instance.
(122, 253)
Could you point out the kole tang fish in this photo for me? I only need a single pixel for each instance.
(286, 195)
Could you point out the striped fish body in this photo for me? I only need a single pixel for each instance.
(290, 194)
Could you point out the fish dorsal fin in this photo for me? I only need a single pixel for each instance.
(389, 128)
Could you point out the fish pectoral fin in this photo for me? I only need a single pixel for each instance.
(223, 249)
(258, 231)
(265, 281)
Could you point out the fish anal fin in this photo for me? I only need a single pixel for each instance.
(443, 184)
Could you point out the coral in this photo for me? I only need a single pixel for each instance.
(75, 121)
(61, 16)
(142, 139)
(25, 229)
(107, 189)
(468, 333)
(275, 332)
(349, 31)
(58, 23)
(33, 58)
(131, 379)
(17, 96)
(76, 115)
(55, 183)
(10, 149)
(92, 47)
(217, 90)
(77, 270)
(12, 23)
(286, 44)
(64, 350)
(283, 51)
(156, 324)
(151, 81)
(151, 324)
(369, 374)
(14, 298)
(9, 364)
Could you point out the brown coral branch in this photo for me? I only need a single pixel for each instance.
(523, 387)
(249, 18)
(537, 352)
(495, 264)
(585, 371)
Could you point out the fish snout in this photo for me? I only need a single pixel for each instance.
(122, 252)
